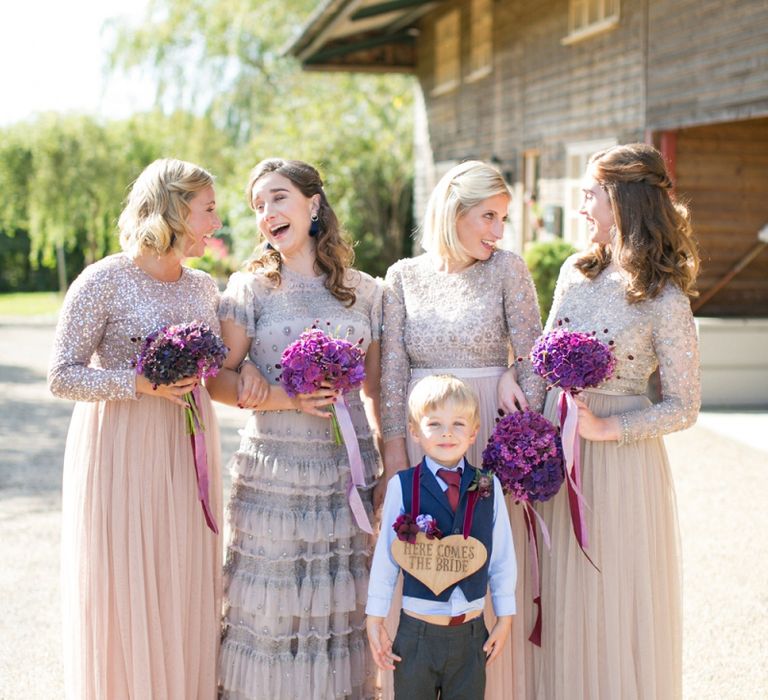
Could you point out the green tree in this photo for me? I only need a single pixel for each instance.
(220, 58)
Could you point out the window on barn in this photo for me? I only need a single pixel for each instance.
(576, 157)
(447, 53)
(589, 17)
(481, 39)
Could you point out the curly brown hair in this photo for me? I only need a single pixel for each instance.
(333, 254)
(654, 241)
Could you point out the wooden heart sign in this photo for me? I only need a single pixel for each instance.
(439, 564)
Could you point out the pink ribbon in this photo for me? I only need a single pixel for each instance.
(569, 431)
(356, 473)
(200, 456)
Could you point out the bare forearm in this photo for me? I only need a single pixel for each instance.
(395, 456)
(223, 387)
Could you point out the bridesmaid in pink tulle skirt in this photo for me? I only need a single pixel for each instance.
(140, 568)
(614, 630)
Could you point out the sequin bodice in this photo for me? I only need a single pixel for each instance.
(110, 303)
(482, 316)
(274, 317)
(659, 333)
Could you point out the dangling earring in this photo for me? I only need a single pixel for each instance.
(314, 227)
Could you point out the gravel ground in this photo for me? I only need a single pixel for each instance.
(724, 533)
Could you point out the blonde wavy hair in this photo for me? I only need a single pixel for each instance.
(333, 254)
(461, 188)
(435, 391)
(654, 242)
(156, 213)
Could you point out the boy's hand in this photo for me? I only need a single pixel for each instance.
(497, 638)
(381, 644)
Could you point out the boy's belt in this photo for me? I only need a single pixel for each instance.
(445, 620)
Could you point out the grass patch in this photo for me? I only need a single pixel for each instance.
(29, 304)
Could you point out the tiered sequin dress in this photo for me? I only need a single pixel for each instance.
(616, 632)
(472, 324)
(141, 572)
(296, 574)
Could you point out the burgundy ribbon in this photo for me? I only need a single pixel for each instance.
(200, 456)
(416, 492)
(533, 543)
(356, 472)
(469, 513)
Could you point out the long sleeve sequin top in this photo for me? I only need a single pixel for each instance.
(110, 303)
(655, 333)
(483, 316)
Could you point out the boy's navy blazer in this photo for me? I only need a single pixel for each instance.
(434, 502)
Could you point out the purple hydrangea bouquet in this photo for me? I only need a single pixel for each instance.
(316, 358)
(172, 353)
(525, 453)
(573, 361)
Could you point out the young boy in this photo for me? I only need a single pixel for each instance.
(442, 643)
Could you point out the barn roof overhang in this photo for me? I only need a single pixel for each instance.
(361, 35)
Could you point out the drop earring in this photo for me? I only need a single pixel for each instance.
(314, 227)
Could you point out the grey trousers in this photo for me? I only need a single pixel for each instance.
(437, 661)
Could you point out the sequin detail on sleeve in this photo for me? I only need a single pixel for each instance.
(656, 333)
(110, 303)
(676, 348)
(524, 322)
(395, 366)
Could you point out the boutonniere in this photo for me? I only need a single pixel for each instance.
(407, 528)
(482, 483)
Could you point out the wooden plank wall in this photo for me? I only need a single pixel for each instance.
(540, 94)
(722, 170)
(707, 61)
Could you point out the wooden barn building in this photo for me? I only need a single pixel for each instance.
(536, 87)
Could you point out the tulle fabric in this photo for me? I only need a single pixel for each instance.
(141, 577)
(296, 576)
(617, 632)
(508, 677)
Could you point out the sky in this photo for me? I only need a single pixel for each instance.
(52, 58)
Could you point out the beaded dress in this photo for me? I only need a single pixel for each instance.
(617, 632)
(296, 573)
(472, 324)
(141, 572)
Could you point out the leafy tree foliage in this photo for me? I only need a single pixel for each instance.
(225, 58)
(227, 97)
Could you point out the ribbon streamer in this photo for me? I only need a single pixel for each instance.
(200, 456)
(569, 430)
(529, 514)
(356, 472)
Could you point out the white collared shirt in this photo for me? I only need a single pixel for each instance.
(502, 566)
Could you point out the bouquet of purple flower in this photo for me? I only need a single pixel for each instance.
(525, 453)
(173, 353)
(316, 358)
(572, 360)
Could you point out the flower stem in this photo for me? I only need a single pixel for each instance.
(335, 428)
